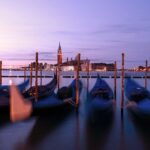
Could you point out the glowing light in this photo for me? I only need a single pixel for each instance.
(10, 81)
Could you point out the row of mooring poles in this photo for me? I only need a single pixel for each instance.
(77, 77)
(37, 68)
(31, 75)
(36, 74)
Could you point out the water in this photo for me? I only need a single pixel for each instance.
(72, 132)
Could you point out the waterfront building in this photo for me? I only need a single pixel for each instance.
(102, 67)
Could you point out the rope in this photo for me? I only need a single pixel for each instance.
(70, 101)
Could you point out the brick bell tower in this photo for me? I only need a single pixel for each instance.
(59, 55)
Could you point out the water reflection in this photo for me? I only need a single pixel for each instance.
(142, 128)
(97, 133)
(4, 120)
(12, 135)
(44, 126)
(73, 131)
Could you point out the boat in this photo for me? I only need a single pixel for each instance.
(100, 101)
(5, 95)
(60, 102)
(43, 90)
(5, 89)
(138, 99)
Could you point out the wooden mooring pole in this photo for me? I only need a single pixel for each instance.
(0, 72)
(31, 76)
(36, 77)
(77, 80)
(122, 83)
(115, 79)
(88, 73)
(146, 70)
(41, 73)
(25, 73)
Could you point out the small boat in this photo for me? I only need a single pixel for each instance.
(43, 90)
(100, 101)
(138, 99)
(63, 101)
(4, 89)
(5, 95)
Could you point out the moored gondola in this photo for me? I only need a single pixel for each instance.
(5, 89)
(63, 101)
(5, 96)
(43, 90)
(138, 99)
(100, 101)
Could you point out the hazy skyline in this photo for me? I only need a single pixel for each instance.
(100, 30)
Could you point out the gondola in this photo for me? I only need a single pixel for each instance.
(43, 90)
(138, 99)
(100, 101)
(57, 103)
(5, 95)
(61, 101)
(4, 89)
(4, 100)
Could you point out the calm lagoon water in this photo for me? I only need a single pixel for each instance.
(72, 132)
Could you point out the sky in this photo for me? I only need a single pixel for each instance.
(99, 29)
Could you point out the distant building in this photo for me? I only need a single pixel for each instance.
(84, 66)
(49, 67)
(40, 65)
(141, 68)
(102, 67)
(70, 65)
(67, 68)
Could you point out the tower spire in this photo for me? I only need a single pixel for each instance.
(59, 47)
(59, 55)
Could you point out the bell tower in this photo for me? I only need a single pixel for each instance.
(59, 55)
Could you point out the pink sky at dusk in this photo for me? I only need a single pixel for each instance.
(99, 30)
